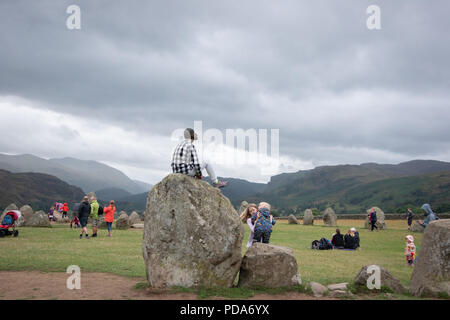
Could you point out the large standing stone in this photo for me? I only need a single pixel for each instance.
(122, 221)
(381, 223)
(192, 235)
(269, 266)
(292, 219)
(329, 218)
(57, 216)
(308, 217)
(386, 279)
(431, 275)
(244, 205)
(134, 218)
(39, 219)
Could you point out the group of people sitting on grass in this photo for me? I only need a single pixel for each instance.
(348, 241)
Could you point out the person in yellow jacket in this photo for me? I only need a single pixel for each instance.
(94, 215)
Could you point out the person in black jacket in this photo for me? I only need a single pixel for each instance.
(350, 240)
(83, 214)
(356, 233)
(338, 239)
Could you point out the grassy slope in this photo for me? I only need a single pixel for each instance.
(56, 248)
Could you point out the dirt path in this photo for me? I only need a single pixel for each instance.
(96, 286)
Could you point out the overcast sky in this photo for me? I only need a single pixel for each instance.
(115, 90)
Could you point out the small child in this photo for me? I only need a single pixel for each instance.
(75, 221)
(263, 222)
(410, 250)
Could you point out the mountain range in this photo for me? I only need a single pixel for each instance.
(354, 188)
(36, 189)
(86, 174)
(345, 188)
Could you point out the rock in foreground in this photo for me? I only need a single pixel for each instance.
(192, 235)
(269, 266)
(386, 279)
(431, 275)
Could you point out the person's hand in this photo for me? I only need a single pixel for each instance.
(271, 218)
(258, 215)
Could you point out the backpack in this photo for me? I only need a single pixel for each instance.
(324, 244)
(315, 245)
(373, 216)
(100, 210)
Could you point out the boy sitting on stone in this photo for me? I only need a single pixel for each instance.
(263, 222)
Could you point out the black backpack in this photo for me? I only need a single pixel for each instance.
(100, 210)
(315, 245)
(324, 244)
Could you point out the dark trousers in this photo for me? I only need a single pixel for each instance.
(261, 236)
(374, 225)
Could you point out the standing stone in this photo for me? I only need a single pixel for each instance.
(431, 275)
(381, 223)
(39, 219)
(269, 266)
(192, 235)
(134, 218)
(27, 212)
(416, 227)
(57, 216)
(122, 221)
(329, 218)
(244, 205)
(292, 219)
(101, 224)
(308, 217)
(386, 279)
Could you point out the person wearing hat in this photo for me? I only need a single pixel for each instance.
(83, 214)
(185, 160)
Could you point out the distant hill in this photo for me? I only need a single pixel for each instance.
(239, 189)
(144, 185)
(353, 188)
(88, 175)
(38, 190)
(112, 194)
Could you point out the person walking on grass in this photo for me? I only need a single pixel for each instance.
(410, 250)
(409, 216)
(109, 216)
(373, 219)
(84, 211)
(65, 209)
(94, 216)
(185, 160)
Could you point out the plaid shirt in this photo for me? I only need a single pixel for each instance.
(185, 158)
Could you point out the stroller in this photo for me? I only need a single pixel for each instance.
(9, 221)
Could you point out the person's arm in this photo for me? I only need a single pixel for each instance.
(251, 225)
(272, 220)
(194, 160)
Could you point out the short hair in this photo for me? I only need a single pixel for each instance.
(263, 205)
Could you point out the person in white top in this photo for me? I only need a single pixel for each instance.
(246, 216)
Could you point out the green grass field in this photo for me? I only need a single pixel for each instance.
(54, 249)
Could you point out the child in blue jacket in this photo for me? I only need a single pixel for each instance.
(263, 222)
